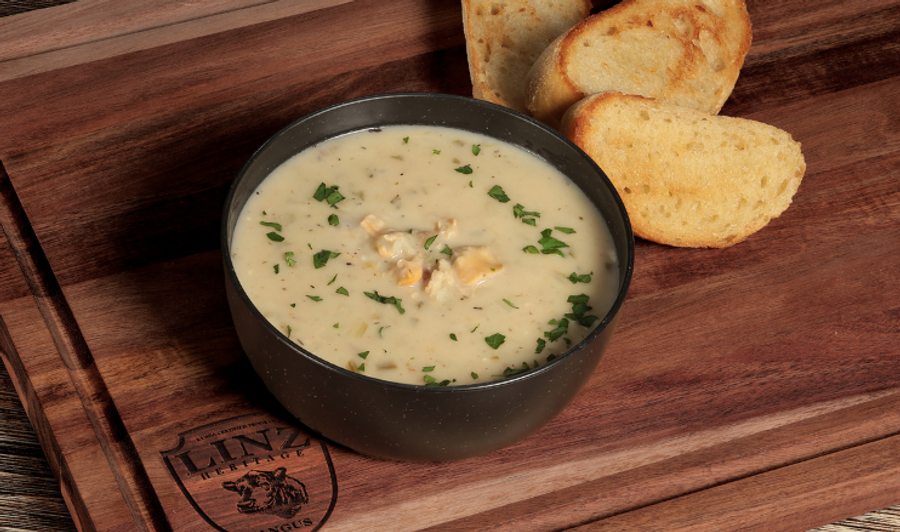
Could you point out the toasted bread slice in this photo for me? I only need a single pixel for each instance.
(503, 40)
(688, 178)
(683, 52)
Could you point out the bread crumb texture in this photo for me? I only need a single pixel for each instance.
(683, 52)
(688, 178)
(504, 38)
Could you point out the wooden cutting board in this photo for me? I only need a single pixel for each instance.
(751, 388)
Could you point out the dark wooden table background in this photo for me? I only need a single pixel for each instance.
(30, 497)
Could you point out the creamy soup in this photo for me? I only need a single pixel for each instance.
(425, 255)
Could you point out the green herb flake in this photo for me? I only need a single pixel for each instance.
(474, 376)
(343, 291)
(541, 344)
(275, 237)
(314, 298)
(467, 169)
(471, 185)
(426, 369)
(429, 379)
(430, 241)
(497, 193)
(550, 245)
(575, 278)
(580, 308)
(476, 149)
(562, 327)
(321, 258)
(363, 355)
(436, 152)
(476, 328)
(387, 300)
(405, 140)
(289, 331)
(531, 249)
(362, 367)
(447, 250)
(566, 230)
(293, 305)
(508, 302)
(334, 220)
(289, 258)
(275, 268)
(337, 325)
(453, 337)
(273, 225)
(381, 330)
(520, 212)
(327, 194)
(495, 340)
(333, 279)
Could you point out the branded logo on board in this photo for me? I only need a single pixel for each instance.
(254, 473)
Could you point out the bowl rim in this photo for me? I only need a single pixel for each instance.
(608, 318)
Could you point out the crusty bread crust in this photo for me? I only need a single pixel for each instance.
(688, 178)
(684, 52)
(503, 40)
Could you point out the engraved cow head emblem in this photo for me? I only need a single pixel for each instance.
(271, 492)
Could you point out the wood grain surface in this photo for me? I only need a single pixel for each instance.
(752, 388)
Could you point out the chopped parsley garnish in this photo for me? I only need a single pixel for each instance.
(381, 330)
(511, 371)
(405, 140)
(289, 258)
(528, 217)
(275, 237)
(541, 344)
(453, 337)
(343, 291)
(387, 300)
(289, 331)
(474, 376)
(320, 259)
(551, 245)
(508, 302)
(362, 367)
(531, 249)
(566, 230)
(575, 278)
(580, 308)
(273, 225)
(495, 340)
(431, 381)
(314, 298)
(467, 169)
(497, 193)
(471, 185)
(363, 355)
(328, 194)
(436, 152)
(275, 268)
(293, 305)
(334, 220)
(430, 241)
(337, 325)
(562, 327)
(426, 369)
(476, 149)
(476, 327)
(333, 279)
(447, 250)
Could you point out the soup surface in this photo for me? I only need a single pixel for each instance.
(425, 255)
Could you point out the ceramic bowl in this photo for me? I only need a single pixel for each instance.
(411, 422)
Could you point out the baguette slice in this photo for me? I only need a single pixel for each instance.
(687, 178)
(503, 40)
(683, 52)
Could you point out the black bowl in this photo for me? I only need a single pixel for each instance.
(402, 421)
